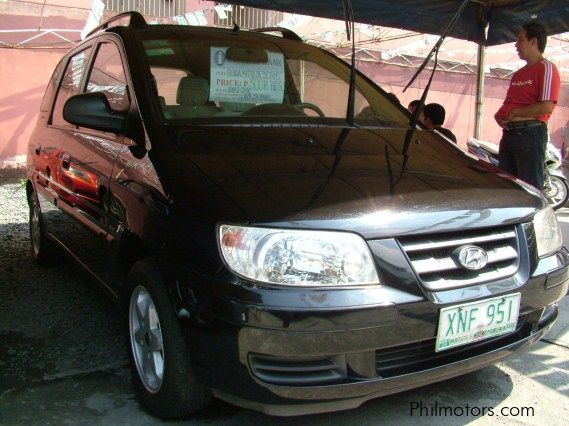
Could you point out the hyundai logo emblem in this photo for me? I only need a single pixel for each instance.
(471, 257)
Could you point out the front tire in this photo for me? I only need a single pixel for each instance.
(158, 355)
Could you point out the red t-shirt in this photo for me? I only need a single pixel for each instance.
(530, 84)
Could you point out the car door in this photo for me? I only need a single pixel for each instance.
(88, 157)
(48, 136)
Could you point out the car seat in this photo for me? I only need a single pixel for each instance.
(193, 98)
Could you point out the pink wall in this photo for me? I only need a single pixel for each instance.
(24, 74)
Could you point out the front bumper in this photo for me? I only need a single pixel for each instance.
(294, 352)
(351, 395)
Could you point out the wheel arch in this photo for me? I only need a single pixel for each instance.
(131, 250)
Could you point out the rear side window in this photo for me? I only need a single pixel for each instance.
(50, 88)
(108, 76)
(70, 85)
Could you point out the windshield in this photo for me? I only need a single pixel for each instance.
(222, 74)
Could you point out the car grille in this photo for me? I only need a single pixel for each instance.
(435, 264)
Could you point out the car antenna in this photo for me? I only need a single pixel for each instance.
(419, 109)
(349, 19)
(235, 26)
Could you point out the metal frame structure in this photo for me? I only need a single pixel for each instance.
(40, 33)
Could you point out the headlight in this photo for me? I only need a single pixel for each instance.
(547, 232)
(297, 258)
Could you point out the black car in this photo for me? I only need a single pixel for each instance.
(268, 249)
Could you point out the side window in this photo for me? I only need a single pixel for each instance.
(108, 76)
(69, 85)
(50, 88)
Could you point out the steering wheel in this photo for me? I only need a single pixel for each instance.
(315, 108)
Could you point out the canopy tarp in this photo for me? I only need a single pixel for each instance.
(503, 17)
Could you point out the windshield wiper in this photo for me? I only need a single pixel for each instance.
(435, 50)
(349, 17)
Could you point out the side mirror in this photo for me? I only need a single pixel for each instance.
(92, 110)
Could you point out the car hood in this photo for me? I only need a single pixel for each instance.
(339, 178)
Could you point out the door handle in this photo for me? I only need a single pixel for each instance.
(65, 160)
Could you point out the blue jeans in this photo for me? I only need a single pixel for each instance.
(522, 153)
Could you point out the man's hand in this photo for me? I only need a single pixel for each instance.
(515, 115)
(512, 114)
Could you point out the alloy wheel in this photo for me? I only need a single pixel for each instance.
(146, 339)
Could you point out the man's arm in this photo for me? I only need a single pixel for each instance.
(530, 112)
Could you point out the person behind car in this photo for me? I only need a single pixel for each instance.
(393, 97)
(435, 117)
(413, 106)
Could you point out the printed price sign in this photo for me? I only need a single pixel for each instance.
(244, 82)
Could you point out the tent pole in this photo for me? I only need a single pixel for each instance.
(479, 91)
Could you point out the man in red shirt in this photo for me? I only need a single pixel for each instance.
(531, 98)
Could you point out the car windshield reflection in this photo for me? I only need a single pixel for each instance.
(213, 77)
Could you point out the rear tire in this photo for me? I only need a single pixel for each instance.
(40, 245)
(158, 356)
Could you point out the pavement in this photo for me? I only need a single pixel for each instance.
(63, 359)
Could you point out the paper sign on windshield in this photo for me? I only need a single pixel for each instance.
(244, 82)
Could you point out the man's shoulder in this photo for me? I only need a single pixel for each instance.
(545, 65)
(447, 132)
(547, 62)
(549, 66)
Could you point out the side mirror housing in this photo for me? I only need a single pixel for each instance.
(92, 110)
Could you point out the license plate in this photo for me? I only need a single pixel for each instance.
(470, 322)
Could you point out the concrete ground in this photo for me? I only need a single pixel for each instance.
(62, 359)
